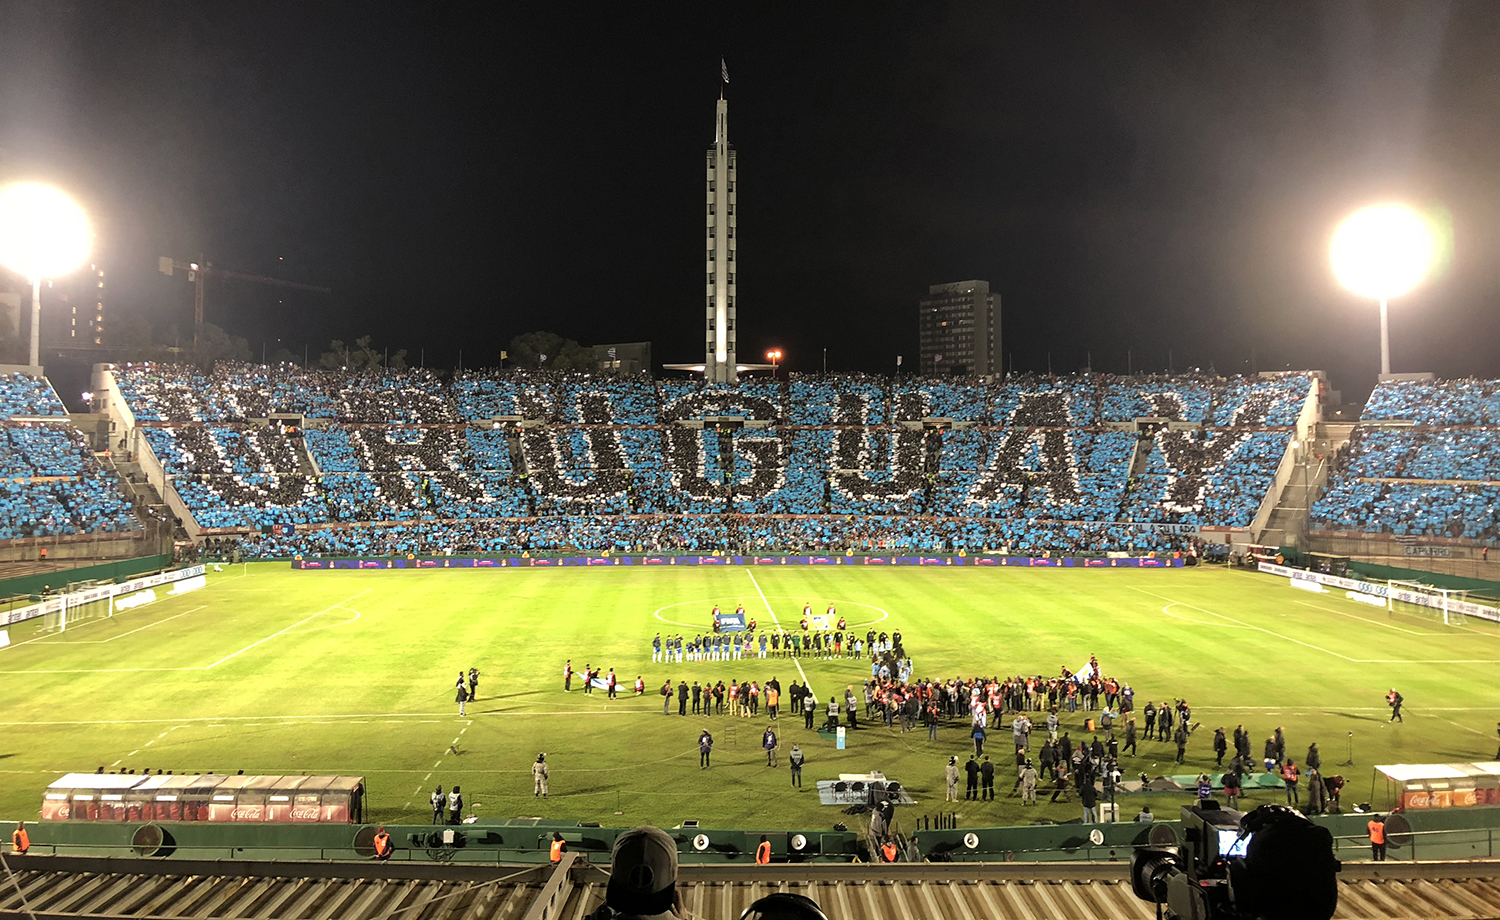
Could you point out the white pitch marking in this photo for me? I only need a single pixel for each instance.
(884, 613)
(1316, 648)
(149, 625)
(763, 600)
(288, 629)
(1355, 616)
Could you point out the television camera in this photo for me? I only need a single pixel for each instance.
(1269, 864)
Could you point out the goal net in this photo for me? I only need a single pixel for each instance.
(82, 602)
(1444, 602)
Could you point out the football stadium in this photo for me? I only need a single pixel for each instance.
(568, 631)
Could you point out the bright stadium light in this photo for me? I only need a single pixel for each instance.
(1381, 252)
(43, 234)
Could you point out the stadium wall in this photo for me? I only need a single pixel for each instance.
(111, 571)
(473, 562)
(76, 546)
(1452, 833)
(1424, 556)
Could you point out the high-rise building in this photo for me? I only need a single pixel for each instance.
(73, 308)
(958, 330)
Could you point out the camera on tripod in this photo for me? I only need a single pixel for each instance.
(1269, 864)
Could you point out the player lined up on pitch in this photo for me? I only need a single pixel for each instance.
(737, 636)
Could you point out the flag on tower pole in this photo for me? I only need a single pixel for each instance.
(724, 67)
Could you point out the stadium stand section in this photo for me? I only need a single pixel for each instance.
(407, 462)
(1424, 461)
(51, 484)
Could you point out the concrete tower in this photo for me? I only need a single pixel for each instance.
(719, 354)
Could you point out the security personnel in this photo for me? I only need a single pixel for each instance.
(1290, 774)
(383, 846)
(20, 841)
(437, 805)
(558, 848)
(987, 779)
(763, 852)
(1377, 838)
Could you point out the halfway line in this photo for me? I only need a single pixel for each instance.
(763, 600)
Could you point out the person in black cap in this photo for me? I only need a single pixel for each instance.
(642, 878)
(783, 905)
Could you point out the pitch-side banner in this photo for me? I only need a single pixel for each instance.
(522, 562)
(1466, 608)
(91, 595)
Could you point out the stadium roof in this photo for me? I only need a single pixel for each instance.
(81, 887)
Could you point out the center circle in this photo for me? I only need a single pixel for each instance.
(709, 602)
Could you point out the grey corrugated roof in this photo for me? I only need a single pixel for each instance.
(61, 887)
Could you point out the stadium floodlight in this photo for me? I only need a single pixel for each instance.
(43, 234)
(1381, 252)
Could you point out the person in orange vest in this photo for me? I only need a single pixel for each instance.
(1290, 775)
(383, 846)
(20, 841)
(888, 851)
(763, 852)
(559, 847)
(1377, 838)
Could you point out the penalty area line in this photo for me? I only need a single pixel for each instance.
(287, 629)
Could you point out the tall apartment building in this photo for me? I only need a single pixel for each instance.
(958, 330)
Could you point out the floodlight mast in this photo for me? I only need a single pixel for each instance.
(43, 234)
(1383, 251)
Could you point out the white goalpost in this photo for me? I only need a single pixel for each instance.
(84, 601)
(1441, 600)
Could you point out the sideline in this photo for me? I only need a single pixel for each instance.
(1316, 648)
(206, 667)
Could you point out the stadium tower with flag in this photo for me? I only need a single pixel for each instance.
(720, 364)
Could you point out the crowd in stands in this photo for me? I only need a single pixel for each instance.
(1435, 402)
(51, 485)
(1437, 473)
(822, 463)
(27, 396)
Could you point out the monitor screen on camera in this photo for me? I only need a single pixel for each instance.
(1231, 844)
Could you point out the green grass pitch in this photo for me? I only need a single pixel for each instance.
(273, 671)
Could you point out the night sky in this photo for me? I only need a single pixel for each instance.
(1128, 176)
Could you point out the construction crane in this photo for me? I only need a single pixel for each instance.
(198, 272)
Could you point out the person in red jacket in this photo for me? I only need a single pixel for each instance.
(1290, 774)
